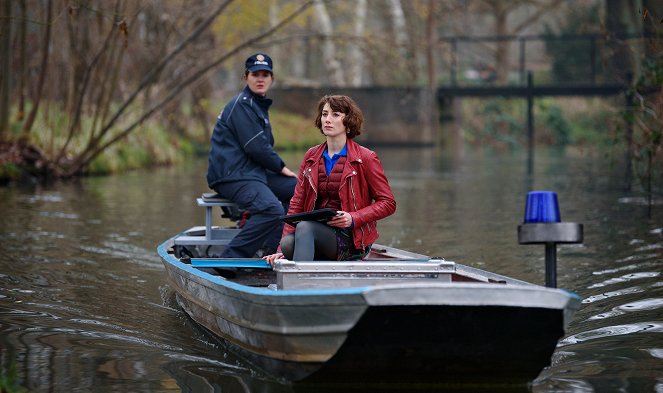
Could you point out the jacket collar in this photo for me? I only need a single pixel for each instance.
(263, 102)
(353, 151)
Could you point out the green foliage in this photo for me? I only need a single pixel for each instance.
(494, 122)
(583, 122)
(646, 118)
(9, 170)
(502, 123)
(9, 380)
(556, 123)
(571, 56)
(149, 146)
(294, 132)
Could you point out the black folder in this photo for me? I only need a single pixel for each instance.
(320, 215)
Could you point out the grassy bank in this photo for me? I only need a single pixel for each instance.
(173, 137)
(162, 140)
(581, 122)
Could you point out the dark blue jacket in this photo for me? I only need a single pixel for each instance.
(242, 142)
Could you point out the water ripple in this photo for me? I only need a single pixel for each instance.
(647, 304)
(618, 269)
(611, 331)
(607, 295)
(45, 198)
(102, 336)
(639, 257)
(125, 251)
(191, 358)
(68, 216)
(641, 201)
(650, 247)
(625, 278)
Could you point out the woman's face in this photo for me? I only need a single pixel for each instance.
(259, 81)
(332, 122)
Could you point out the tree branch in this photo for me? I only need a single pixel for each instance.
(84, 158)
(27, 126)
(176, 90)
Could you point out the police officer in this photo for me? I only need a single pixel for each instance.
(244, 167)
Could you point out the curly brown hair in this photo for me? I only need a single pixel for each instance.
(354, 118)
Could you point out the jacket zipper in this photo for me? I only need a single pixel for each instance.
(315, 191)
(354, 203)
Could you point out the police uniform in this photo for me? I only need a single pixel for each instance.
(244, 167)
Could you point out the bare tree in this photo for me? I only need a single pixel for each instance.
(36, 97)
(22, 73)
(357, 62)
(399, 26)
(431, 39)
(332, 64)
(99, 143)
(500, 10)
(5, 53)
(110, 66)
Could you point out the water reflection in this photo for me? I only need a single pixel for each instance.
(84, 304)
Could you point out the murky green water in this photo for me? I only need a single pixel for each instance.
(84, 303)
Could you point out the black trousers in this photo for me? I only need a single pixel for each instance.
(265, 203)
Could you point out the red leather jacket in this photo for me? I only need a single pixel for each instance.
(364, 190)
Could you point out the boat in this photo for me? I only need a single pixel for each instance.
(396, 317)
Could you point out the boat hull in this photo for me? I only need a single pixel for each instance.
(455, 345)
(420, 332)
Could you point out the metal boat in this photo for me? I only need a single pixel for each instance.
(395, 317)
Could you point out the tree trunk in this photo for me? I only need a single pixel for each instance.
(622, 18)
(356, 49)
(652, 25)
(623, 65)
(431, 47)
(5, 66)
(27, 126)
(76, 110)
(400, 28)
(22, 77)
(329, 57)
(502, 52)
(407, 53)
(96, 147)
(73, 27)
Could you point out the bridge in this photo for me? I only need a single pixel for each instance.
(572, 65)
(402, 116)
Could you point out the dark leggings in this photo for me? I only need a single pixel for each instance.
(311, 241)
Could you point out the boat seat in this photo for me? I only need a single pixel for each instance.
(209, 200)
(201, 240)
(228, 208)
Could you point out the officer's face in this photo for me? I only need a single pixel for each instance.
(259, 81)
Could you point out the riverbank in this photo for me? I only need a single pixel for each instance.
(158, 142)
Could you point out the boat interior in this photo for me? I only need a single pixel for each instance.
(201, 247)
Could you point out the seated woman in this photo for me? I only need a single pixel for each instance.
(345, 176)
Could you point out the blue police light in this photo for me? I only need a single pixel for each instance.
(543, 225)
(542, 206)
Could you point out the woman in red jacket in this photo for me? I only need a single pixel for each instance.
(345, 176)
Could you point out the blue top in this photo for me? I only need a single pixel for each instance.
(330, 162)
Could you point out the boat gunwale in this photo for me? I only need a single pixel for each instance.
(205, 279)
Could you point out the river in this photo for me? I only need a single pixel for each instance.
(84, 303)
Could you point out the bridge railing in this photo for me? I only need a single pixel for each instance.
(566, 59)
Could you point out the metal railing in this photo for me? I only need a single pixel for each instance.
(591, 63)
